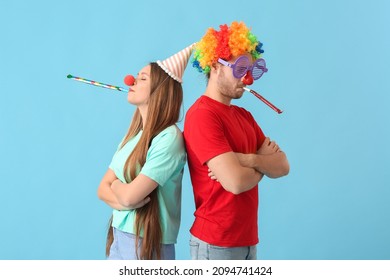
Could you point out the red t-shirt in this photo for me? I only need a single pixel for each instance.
(212, 128)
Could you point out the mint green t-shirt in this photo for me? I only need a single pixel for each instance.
(164, 164)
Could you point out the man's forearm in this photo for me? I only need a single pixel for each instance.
(272, 165)
(251, 177)
(232, 175)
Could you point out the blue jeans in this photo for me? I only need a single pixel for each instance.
(201, 250)
(123, 247)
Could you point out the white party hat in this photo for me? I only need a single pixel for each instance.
(175, 65)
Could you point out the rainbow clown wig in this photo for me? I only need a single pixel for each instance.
(225, 43)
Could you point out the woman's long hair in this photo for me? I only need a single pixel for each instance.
(163, 111)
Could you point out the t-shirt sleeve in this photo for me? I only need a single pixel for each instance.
(165, 157)
(205, 135)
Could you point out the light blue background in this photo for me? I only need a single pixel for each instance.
(328, 70)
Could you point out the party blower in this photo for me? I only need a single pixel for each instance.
(272, 106)
(129, 80)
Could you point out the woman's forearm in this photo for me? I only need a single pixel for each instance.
(106, 194)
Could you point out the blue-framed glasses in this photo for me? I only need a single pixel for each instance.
(242, 65)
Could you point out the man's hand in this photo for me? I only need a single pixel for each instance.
(211, 175)
(269, 160)
(268, 147)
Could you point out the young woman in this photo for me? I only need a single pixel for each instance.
(143, 181)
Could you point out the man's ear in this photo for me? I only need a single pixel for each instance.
(215, 66)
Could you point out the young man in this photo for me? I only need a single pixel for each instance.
(227, 151)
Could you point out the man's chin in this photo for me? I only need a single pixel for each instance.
(239, 94)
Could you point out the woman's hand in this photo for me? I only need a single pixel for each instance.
(105, 193)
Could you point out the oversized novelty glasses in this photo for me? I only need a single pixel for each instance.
(242, 65)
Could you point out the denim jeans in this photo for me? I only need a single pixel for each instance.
(123, 247)
(201, 250)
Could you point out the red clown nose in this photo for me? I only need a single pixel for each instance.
(129, 80)
(248, 79)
